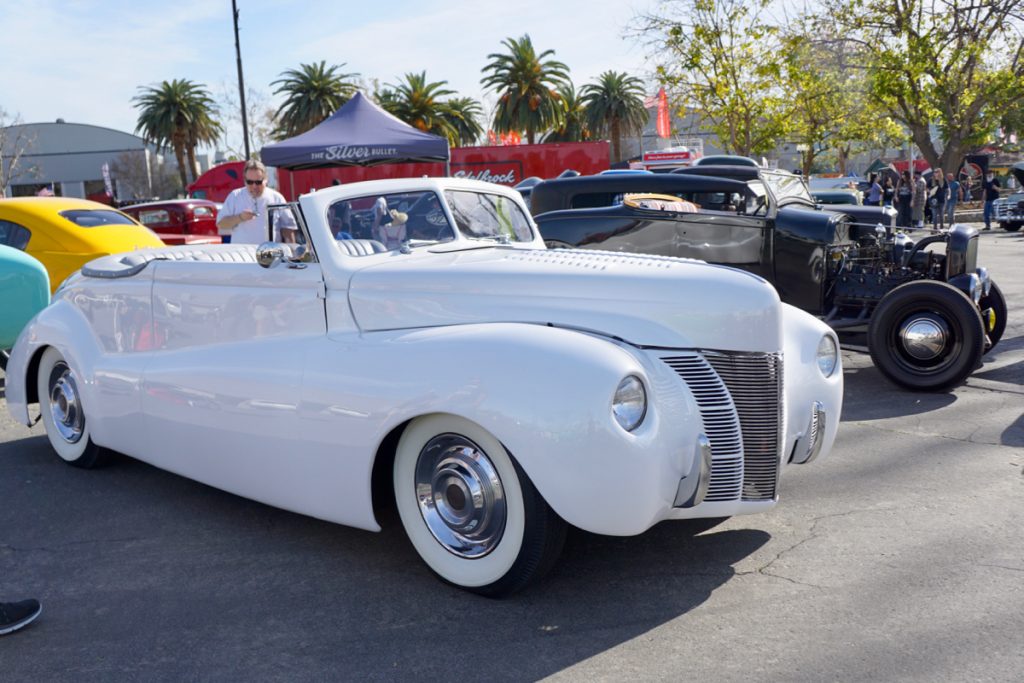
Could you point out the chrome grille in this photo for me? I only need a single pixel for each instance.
(740, 399)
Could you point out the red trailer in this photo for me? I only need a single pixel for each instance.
(505, 165)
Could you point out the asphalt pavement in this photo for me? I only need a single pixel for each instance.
(897, 558)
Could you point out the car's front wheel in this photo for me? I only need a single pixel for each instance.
(63, 413)
(926, 335)
(469, 509)
(1012, 227)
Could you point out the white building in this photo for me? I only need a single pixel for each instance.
(68, 158)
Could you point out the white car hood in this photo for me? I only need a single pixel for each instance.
(645, 300)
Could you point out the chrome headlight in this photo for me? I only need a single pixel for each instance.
(629, 405)
(828, 355)
(986, 280)
(975, 288)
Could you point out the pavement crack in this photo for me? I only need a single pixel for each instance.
(922, 432)
(812, 533)
(1001, 566)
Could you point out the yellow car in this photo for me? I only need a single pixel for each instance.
(65, 233)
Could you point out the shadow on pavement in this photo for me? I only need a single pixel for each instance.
(868, 395)
(174, 580)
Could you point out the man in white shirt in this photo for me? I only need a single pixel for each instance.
(243, 218)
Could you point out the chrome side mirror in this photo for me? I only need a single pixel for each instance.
(270, 254)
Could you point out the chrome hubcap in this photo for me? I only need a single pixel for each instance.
(924, 338)
(460, 495)
(65, 408)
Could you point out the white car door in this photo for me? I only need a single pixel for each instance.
(221, 397)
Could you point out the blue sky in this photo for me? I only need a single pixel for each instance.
(83, 60)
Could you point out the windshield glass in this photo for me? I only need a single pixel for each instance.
(391, 219)
(91, 218)
(786, 186)
(488, 216)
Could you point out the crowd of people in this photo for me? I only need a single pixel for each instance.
(934, 199)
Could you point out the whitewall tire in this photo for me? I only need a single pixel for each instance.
(63, 414)
(469, 510)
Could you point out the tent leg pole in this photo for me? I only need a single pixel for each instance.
(291, 181)
(447, 168)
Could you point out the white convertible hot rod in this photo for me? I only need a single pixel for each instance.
(500, 390)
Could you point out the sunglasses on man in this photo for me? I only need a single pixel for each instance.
(254, 182)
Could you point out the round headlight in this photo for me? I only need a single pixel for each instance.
(828, 355)
(629, 405)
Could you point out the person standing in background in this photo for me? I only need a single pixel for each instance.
(874, 197)
(940, 193)
(244, 216)
(917, 200)
(990, 191)
(904, 194)
(951, 198)
(888, 192)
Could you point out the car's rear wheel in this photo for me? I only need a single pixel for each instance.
(469, 509)
(926, 335)
(997, 302)
(63, 413)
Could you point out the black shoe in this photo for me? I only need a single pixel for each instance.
(14, 615)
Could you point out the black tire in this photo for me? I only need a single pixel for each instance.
(1011, 227)
(955, 327)
(4, 355)
(997, 302)
(483, 548)
(63, 413)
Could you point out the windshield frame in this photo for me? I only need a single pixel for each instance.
(786, 188)
(504, 238)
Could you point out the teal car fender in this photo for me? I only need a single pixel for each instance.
(24, 291)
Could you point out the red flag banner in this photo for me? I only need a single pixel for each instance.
(664, 124)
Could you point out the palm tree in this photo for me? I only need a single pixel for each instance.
(615, 106)
(178, 114)
(526, 85)
(465, 114)
(419, 103)
(312, 93)
(574, 127)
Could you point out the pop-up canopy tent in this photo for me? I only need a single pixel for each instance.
(360, 133)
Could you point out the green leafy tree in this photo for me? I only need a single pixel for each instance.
(312, 93)
(526, 84)
(465, 115)
(179, 115)
(955, 65)
(615, 107)
(830, 109)
(574, 125)
(419, 103)
(723, 59)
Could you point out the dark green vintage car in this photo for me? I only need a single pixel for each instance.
(919, 302)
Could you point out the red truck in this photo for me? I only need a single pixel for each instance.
(506, 165)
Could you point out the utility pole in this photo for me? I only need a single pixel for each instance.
(241, 82)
